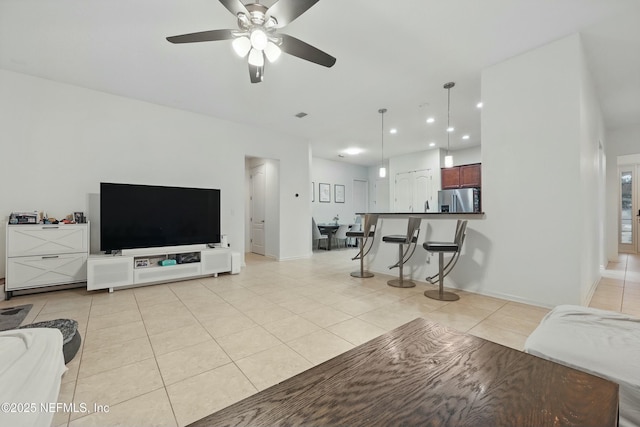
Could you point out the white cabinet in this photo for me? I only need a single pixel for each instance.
(110, 272)
(45, 255)
(106, 271)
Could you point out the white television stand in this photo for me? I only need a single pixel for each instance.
(136, 267)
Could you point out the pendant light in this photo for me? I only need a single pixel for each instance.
(382, 171)
(448, 159)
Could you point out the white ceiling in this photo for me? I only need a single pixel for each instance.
(393, 54)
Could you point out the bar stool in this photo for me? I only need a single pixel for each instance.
(363, 236)
(410, 239)
(441, 248)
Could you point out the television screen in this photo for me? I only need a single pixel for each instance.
(145, 216)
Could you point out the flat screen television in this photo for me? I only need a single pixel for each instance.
(146, 216)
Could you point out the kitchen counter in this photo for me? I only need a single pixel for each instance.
(430, 215)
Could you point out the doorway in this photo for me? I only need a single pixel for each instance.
(628, 213)
(257, 197)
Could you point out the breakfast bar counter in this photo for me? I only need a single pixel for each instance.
(434, 226)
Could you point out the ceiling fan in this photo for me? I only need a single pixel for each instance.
(257, 36)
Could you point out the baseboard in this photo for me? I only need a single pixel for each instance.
(592, 290)
(293, 258)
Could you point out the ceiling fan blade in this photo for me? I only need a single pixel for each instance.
(234, 6)
(285, 11)
(302, 50)
(256, 73)
(203, 36)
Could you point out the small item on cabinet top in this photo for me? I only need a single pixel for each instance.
(23, 218)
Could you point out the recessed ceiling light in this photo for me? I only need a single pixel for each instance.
(432, 144)
(465, 136)
(431, 120)
(353, 151)
(393, 131)
(301, 114)
(450, 129)
(479, 104)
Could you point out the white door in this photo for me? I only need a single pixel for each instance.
(258, 189)
(360, 196)
(423, 194)
(404, 192)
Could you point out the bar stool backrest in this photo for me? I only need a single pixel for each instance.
(370, 223)
(461, 232)
(413, 229)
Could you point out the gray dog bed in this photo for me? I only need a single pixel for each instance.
(70, 336)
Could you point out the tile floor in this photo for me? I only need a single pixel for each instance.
(170, 354)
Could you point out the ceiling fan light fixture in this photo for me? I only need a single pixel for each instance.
(271, 22)
(272, 51)
(243, 20)
(259, 39)
(256, 58)
(242, 46)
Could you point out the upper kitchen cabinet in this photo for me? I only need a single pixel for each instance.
(464, 176)
(470, 175)
(450, 178)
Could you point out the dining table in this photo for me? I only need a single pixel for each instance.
(328, 230)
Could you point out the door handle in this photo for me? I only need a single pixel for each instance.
(50, 256)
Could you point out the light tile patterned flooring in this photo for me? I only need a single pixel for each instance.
(167, 355)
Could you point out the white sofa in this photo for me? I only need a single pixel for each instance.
(603, 343)
(31, 368)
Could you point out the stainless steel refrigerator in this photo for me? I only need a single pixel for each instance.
(459, 200)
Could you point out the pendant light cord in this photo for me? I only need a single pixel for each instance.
(382, 111)
(448, 116)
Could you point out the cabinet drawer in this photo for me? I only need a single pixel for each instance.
(215, 261)
(109, 272)
(159, 274)
(29, 272)
(26, 240)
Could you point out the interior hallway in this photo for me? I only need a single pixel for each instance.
(619, 287)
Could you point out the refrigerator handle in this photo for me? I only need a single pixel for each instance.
(454, 200)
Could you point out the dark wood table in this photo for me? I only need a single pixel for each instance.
(424, 374)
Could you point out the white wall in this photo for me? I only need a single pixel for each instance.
(621, 142)
(536, 152)
(60, 141)
(332, 172)
(592, 184)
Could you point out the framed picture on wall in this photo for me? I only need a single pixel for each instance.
(338, 193)
(324, 191)
(313, 191)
